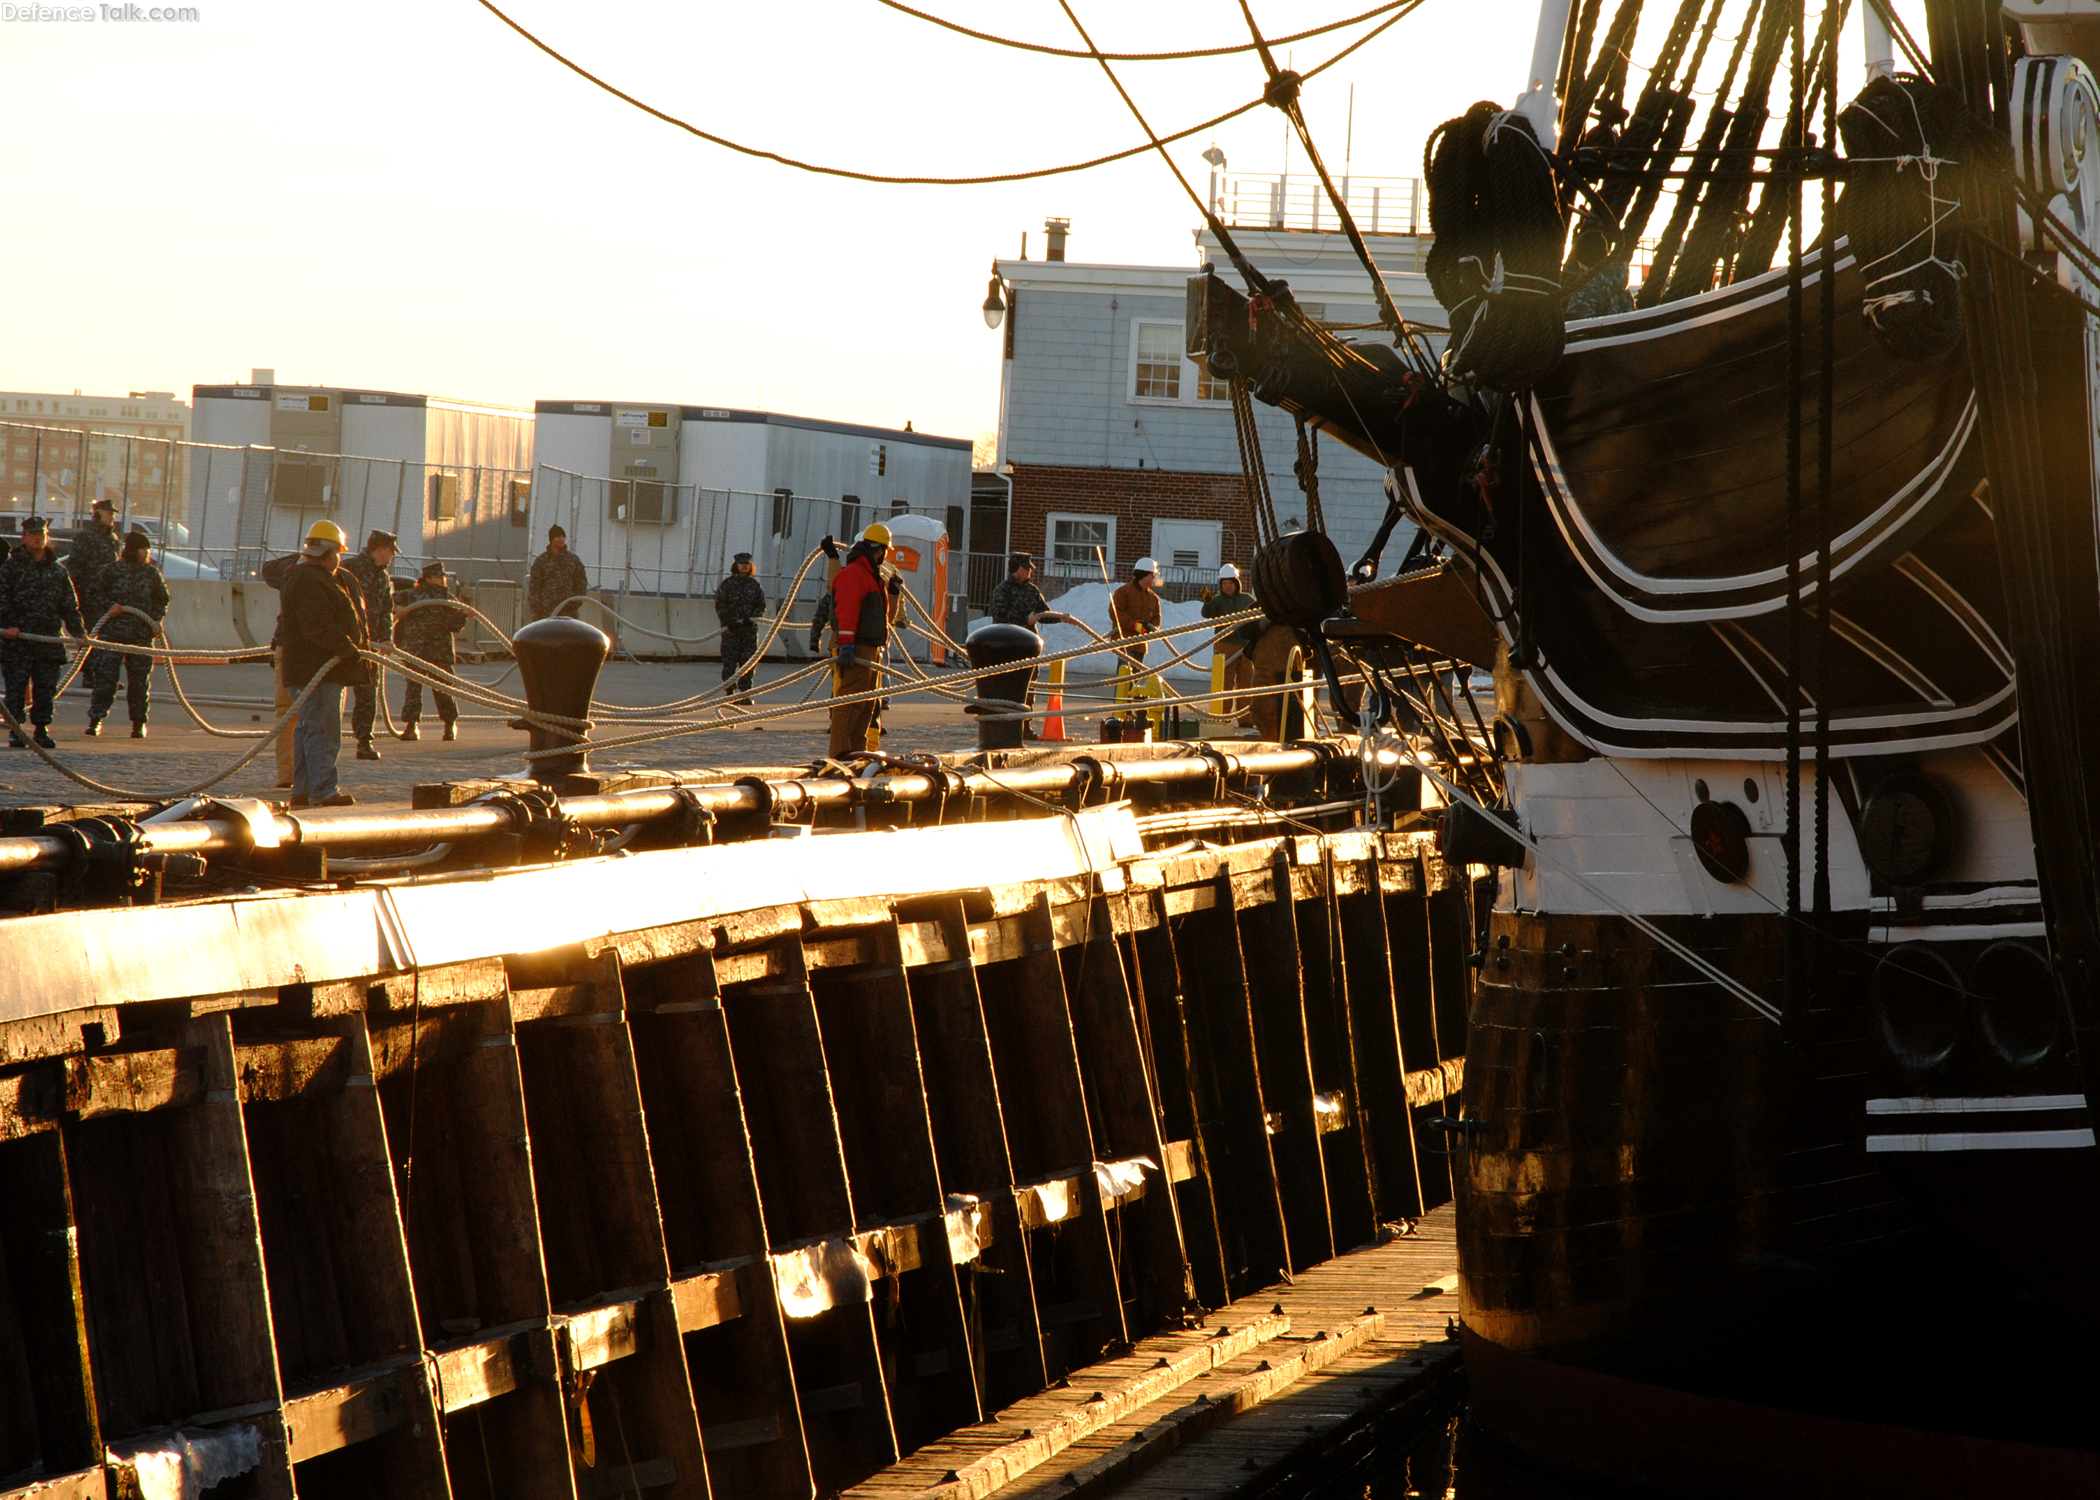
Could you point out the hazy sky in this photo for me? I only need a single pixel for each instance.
(409, 196)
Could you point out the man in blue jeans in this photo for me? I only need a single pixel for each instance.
(321, 625)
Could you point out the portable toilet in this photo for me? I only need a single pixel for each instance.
(919, 553)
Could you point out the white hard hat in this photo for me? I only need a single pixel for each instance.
(1228, 571)
(1145, 565)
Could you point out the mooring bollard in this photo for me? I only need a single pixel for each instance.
(558, 661)
(995, 646)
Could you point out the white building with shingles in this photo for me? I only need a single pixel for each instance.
(1112, 438)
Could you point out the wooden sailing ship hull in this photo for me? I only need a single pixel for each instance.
(728, 1170)
(1696, 1226)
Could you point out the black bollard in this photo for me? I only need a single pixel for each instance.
(558, 661)
(995, 646)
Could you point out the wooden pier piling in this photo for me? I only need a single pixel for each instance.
(751, 1202)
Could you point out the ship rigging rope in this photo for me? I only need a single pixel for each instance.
(433, 676)
(1194, 52)
(1283, 92)
(896, 180)
(18, 729)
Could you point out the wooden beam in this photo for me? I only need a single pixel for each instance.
(1231, 1111)
(1345, 1155)
(602, 1233)
(58, 1035)
(464, 1159)
(213, 1195)
(742, 1374)
(42, 1252)
(970, 1148)
(1125, 1115)
(1276, 981)
(800, 1161)
(350, 1411)
(1157, 980)
(865, 1014)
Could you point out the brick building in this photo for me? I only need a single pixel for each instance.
(1113, 439)
(62, 453)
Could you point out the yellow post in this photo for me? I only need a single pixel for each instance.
(1130, 686)
(1218, 705)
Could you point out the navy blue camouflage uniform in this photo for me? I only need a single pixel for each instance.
(92, 561)
(739, 601)
(427, 633)
(36, 596)
(134, 584)
(1013, 601)
(375, 589)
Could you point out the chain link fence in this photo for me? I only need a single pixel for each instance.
(678, 540)
(219, 512)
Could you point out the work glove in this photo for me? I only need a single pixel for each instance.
(830, 544)
(845, 657)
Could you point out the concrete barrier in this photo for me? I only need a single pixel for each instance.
(257, 602)
(690, 619)
(602, 618)
(200, 615)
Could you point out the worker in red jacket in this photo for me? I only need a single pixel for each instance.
(863, 624)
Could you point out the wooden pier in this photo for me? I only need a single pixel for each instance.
(745, 1170)
(1221, 1409)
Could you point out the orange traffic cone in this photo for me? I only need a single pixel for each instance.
(1054, 705)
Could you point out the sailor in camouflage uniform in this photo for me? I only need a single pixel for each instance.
(92, 560)
(557, 576)
(134, 584)
(739, 601)
(426, 632)
(1017, 601)
(36, 598)
(375, 589)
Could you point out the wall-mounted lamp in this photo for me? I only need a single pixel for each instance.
(994, 300)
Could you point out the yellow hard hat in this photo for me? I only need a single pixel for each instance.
(327, 531)
(877, 532)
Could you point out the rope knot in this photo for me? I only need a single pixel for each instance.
(1282, 90)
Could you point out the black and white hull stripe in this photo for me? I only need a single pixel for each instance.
(2001, 1122)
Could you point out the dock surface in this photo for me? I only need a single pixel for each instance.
(1221, 1409)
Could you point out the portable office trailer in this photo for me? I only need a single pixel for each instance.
(450, 479)
(658, 497)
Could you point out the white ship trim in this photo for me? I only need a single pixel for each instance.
(1987, 1104)
(1986, 1140)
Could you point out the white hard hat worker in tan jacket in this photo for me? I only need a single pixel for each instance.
(1133, 609)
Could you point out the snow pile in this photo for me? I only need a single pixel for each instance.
(1089, 602)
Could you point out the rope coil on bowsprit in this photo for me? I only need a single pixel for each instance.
(1904, 139)
(1495, 267)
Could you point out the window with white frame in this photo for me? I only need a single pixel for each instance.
(1073, 539)
(1210, 387)
(1156, 362)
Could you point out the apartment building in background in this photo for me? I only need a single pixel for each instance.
(1116, 445)
(61, 453)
